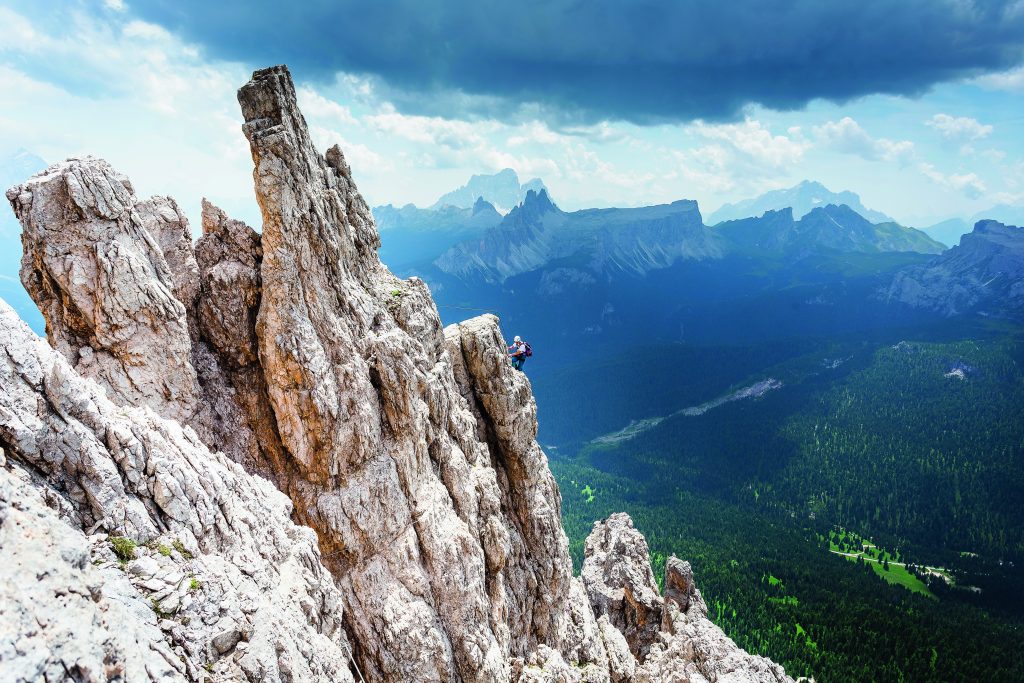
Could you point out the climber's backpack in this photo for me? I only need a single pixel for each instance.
(529, 349)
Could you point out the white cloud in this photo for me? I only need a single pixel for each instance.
(535, 133)
(603, 132)
(316, 106)
(358, 155)
(994, 155)
(969, 184)
(754, 141)
(131, 93)
(736, 157)
(1010, 81)
(433, 130)
(959, 128)
(457, 143)
(848, 137)
(1008, 198)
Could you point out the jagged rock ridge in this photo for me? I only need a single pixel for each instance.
(826, 228)
(410, 450)
(537, 232)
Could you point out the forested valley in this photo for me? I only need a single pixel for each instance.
(858, 522)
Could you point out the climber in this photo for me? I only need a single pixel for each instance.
(519, 352)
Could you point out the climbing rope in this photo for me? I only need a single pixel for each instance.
(353, 660)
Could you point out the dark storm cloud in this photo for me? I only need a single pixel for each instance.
(582, 60)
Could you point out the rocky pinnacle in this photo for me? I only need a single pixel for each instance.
(355, 491)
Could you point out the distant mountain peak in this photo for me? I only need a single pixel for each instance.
(802, 198)
(502, 190)
(539, 200)
(535, 204)
(840, 210)
(482, 204)
(988, 226)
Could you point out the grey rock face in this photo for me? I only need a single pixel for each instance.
(670, 638)
(409, 450)
(132, 475)
(983, 274)
(620, 584)
(61, 617)
(94, 266)
(680, 590)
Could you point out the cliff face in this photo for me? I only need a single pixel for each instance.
(983, 274)
(180, 372)
(601, 241)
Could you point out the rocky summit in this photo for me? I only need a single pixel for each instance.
(259, 457)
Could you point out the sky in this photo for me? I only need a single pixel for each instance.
(916, 105)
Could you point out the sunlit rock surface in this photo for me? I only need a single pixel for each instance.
(323, 483)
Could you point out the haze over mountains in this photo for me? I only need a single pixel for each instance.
(501, 189)
(13, 170)
(537, 233)
(495, 227)
(951, 230)
(411, 232)
(802, 198)
(637, 241)
(983, 274)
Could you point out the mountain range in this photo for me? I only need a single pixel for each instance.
(802, 199)
(537, 233)
(951, 230)
(808, 195)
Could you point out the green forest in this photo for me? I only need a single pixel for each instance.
(861, 522)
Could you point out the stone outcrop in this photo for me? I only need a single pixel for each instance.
(620, 584)
(196, 396)
(93, 263)
(228, 583)
(668, 638)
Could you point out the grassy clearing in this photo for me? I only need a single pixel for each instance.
(898, 575)
(889, 565)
